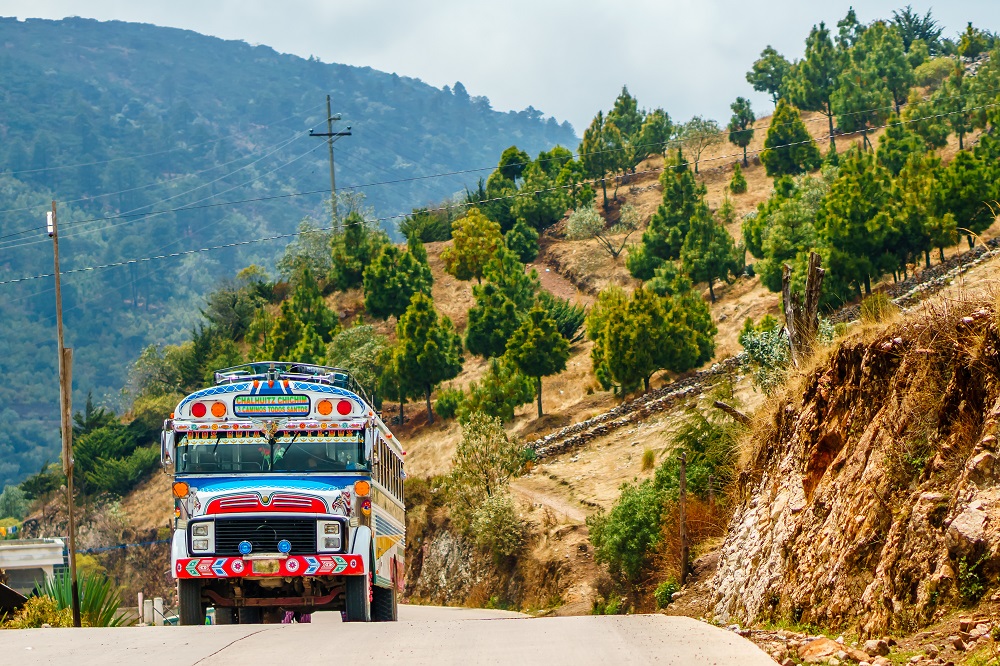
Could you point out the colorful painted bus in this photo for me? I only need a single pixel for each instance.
(288, 497)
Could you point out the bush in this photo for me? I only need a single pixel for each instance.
(931, 73)
(426, 226)
(877, 308)
(568, 317)
(448, 402)
(766, 353)
(497, 526)
(584, 223)
(648, 460)
(626, 536)
(99, 598)
(38, 611)
(664, 592)
(738, 184)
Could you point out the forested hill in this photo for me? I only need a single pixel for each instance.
(116, 119)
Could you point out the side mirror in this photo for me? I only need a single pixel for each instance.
(167, 448)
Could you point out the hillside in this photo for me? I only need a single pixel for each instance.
(132, 122)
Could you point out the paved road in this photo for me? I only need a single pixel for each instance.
(437, 636)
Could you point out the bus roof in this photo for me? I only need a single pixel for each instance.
(277, 370)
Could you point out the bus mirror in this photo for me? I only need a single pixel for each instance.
(166, 448)
(369, 436)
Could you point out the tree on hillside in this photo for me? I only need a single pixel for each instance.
(572, 182)
(310, 249)
(768, 73)
(475, 238)
(741, 125)
(708, 253)
(428, 350)
(912, 27)
(537, 349)
(513, 162)
(522, 240)
(498, 393)
(507, 273)
(814, 80)
(426, 225)
(698, 134)
(849, 30)
(654, 135)
(886, 55)
(788, 148)
(352, 250)
(671, 282)
(625, 114)
(950, 102)
(492, 320)
(963, 190)
(788, 229)
(540, 203)
(392, 279)
(862, 100)
(683, 198)
(973, 41)
(485, 459)
(595, 153)
(921, 116)
(361, 351)
(896, 145)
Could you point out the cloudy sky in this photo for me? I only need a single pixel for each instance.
(567, 58)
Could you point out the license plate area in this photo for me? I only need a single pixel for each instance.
(265, 567)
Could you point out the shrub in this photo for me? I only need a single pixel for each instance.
(497, 526)
(766, 356)
(877, 308)
(970, 580)
(584, 223)
(664, 592)
(738, 184)
(500, 391)
(99, 598)
(38, 611)
(648, 460)
(448, 402)
(625, 536)
(934, 71)
(568, 317)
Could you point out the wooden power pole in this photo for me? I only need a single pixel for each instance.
(330, 134)
(682, 512)
(66, 415)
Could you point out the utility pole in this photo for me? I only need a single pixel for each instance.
(682, 511)
(330, 134)
(65, 411)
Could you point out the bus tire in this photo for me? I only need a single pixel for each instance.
(191, 610)
(384, 604)
(357, 606)
(225, 615)
(250, 615)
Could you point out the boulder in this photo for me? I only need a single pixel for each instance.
(822, 649)
(967, 530)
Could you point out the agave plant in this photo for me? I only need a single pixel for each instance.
(99, 600)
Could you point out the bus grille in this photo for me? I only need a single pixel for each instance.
(264, 534)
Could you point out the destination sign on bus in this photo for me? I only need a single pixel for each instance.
(271, 405)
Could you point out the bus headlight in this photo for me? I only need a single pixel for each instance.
(329, 535)
(202, 537)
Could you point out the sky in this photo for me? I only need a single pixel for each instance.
(566, 58)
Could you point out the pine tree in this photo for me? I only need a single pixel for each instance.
(896, 146)
(353, 250)
(429, 351)
(708, 253)
(921, 116)
(654, 135)
(492, 320)
(500, 391)
(741, 125)
(537, 349)
(475, 238)
(738, 183)
(862, 99)
(626, 115)
(950, 102)
(522, 240)
(683, 198)
(788, 148)
(814, 79)
(392, 279)
(595, 153)
(311, 309)
(540, 203)
(886, 54)
(507, 273)
(962, 189)
(769, 72)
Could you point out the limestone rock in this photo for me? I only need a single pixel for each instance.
(967, 530)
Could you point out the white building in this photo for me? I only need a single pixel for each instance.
(30, 561)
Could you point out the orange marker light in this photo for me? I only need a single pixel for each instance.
(362, 488)
(218, 409)
(324, 407)
(180, 489)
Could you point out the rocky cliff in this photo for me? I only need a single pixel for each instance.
(871, 496)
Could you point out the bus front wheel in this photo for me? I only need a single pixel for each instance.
(358, 606)
(191, 610)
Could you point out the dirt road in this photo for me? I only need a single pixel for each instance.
(423, 636)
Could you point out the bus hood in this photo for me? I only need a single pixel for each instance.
(270, 494)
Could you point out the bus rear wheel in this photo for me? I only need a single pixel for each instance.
(191, 610)
(357, 606)
(383, 604)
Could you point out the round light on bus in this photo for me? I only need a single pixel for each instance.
(180, 489)
(324, 407)
(218, 409)
(198, 410)
(362, 488)
(344, 407)
(366, 506)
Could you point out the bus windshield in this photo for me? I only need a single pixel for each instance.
(290, 453)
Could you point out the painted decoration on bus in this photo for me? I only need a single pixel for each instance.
(271, 405)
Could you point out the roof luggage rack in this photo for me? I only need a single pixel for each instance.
(275, 370)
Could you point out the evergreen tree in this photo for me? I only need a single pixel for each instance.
(849, 30)
(513, 162)
(500, 391)
(886, 55)
(896, 146)
(854, 219)
(738, 183)
(537, 349)
(522, 240)
(814, 79)
(683, 198)
(862, 100)
(475, 238)
(973, 41)
(507, 273)
(708, 253)
(768, 73)
(571, 181)
(962, 190)
(741, 125)
(392, 279)
(913, 27)
(654, 135)
(429, 351)
(286, 335)
(921, 117)
(311, 309)
(569, 318)
(540, 203)
(790, 230)
(626, 115)
(492, 320)
(353, 250)
(788, 148)
(950, 102)
(595, 153)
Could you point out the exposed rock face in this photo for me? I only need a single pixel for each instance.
(866, 494)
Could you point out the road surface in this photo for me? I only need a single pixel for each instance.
(424, 635)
